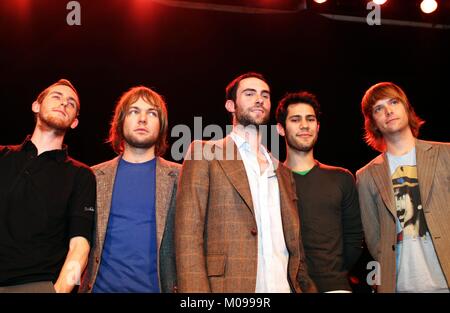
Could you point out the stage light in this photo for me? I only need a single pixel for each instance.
(320, 1)
(379, 2)
(428, 6)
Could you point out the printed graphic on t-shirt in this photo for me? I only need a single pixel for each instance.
(408, 203)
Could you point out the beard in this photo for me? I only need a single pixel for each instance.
(293, 144)
(51, 122)
(135, 142)
(245, 119)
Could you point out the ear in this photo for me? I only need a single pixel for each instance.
(74, 123)
(318, 127)
(229, 105)
(36, 107)
(280, 130)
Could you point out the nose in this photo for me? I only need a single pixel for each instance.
(303, 124)
(388, 110)
(259, 99)
(142, 118)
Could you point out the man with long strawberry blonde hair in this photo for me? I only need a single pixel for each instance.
(134, 249)
(404, 196)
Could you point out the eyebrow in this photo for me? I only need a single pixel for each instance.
(138, 108)
(254, 90)
(307, 116)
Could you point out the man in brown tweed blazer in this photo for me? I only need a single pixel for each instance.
(404, 197)
(134, 249)
(236, 225)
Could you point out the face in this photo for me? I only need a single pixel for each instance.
(141, 125)
(58, 110)
(302, 127)
(390, 116)
(252, 105)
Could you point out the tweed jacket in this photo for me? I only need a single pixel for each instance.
(215, 228)
(166, 185)
(378, 210)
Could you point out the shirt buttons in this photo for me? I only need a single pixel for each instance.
(253, 231)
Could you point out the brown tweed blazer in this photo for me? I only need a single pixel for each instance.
(378, 211)
(166, 184)
(215, 226)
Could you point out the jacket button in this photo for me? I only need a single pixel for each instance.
(97, 259)
(393, 247)
(253, 231)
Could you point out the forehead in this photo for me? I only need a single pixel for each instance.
(384, 101)
(65, 90)
(253, 83)
(142, 104)
(300, 109)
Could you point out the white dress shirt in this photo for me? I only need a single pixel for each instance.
(273, 256)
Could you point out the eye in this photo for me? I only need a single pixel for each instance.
(249, 93)
(132, 112)
(153, 113)
(72, 104)
(266, 96)
(377, 109)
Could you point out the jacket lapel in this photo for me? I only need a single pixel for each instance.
(382, 178)
(165, 180)
(426, 158)
(288, 209)
(105, 182)
(233, 167)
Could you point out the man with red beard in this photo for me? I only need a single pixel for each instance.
(47, 201)
(328, 200)
(237, 229)
(133, 249)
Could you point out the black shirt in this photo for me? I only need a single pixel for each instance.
(330, 224)
(45, 201)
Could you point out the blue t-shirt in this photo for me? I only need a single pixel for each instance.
(129, 257)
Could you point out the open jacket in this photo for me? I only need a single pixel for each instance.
(166, 187)
(215, 229)
(379, 213)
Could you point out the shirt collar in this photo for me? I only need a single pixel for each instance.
(241, 143)
(59, 155)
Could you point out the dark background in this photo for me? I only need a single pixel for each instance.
(189, 56)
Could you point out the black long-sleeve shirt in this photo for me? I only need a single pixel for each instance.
(330, 224)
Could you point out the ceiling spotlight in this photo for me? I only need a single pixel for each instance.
(428, 6)
(320, 1)
(379, 2)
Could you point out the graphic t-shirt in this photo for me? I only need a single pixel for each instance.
(418, 268)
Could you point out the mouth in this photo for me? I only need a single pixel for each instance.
(141, 130)
(391, 120)
(304, 135)
(60, 112)
(259, 111)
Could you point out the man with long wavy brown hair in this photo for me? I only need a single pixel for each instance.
(133, 250)
(404, 196)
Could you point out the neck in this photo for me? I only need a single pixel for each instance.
(400, 143)
(299, 160)
(250, 134)
(46, 140)
(138, 155)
